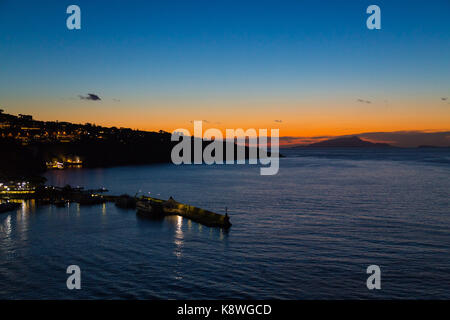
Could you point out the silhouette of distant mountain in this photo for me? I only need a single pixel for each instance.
(350, 142)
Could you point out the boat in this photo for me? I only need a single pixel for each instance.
(125, 201)
(149, 208)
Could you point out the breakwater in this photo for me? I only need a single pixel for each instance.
(146, 206)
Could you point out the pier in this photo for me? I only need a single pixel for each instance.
(144, 205)
(172, 207)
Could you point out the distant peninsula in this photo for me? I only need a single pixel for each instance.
(347, 142)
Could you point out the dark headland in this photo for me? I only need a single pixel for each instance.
(29, 147)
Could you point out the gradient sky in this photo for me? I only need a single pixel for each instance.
(161, 64)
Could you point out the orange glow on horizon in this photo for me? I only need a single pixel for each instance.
(308, 118)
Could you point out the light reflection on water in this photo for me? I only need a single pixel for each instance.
(308, 232)
(5, 227)
(178, 236)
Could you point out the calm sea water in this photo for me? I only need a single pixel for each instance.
(308, 232)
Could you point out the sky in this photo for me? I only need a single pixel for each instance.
(308, 68)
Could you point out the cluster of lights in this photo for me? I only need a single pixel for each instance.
(55, 164)
(16, 187)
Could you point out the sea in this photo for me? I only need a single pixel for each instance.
(309, 232)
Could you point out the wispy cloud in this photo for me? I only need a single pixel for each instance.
(205, 121)
(91, 97)
(297, 141)
(279, 121)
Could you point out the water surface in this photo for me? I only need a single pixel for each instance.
(308, 232)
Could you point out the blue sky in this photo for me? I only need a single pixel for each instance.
(155, 54)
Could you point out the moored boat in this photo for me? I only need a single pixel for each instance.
(125, 201)
(149, 208)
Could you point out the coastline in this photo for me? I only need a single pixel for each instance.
(153, 207)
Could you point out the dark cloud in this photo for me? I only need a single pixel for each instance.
(298, 141)
(364, 101)
(444, 99)
(279, 121)
(91, 97)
